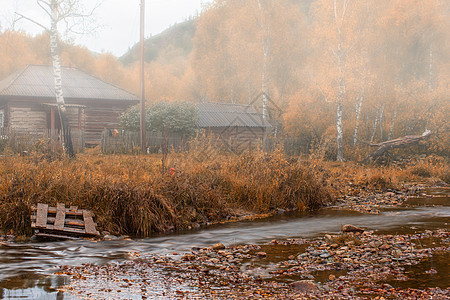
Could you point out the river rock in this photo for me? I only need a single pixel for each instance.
(218, 246)
(261, 254)
(351, 228)
(110, 237)
(188, 257)
(385, 247)
(304, 285)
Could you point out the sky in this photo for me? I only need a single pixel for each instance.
(117, 20)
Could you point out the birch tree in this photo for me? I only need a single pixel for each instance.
(336, 33)
(74, 18)
(265, 29)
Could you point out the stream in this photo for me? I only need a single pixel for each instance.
(26, 268)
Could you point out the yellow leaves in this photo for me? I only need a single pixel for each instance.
(16, 52)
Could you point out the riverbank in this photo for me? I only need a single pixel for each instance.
(137, 196)
(342, 266)
(374, 264)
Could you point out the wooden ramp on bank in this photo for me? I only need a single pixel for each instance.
(62, 223)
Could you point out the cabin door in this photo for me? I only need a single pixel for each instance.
(53, 120)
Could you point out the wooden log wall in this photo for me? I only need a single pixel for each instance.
(238, 139)
(27, 118)
(101, 116)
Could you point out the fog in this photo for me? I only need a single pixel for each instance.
(324, 72)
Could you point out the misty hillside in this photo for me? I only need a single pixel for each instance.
(174, 41)
(177, 39)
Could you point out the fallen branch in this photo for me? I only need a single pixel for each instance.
(401, 142)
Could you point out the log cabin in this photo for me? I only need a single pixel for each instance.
(238, 127)
(28, 103)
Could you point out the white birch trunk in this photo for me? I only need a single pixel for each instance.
(364, 54)
(375, 125)
(54, 50)
(340, 100)
(266, 50)
(381, 122)
(341, 89)
(430, 70)
(340, 131)
(391, 130)
(358, 116)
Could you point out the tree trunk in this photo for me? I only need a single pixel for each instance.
(391, 130)
(266, 50)
(430, 70)
(381, 122)
(357, 117)
(393, 144)
(341, 94)
(341, 90)
(340, 132)
(54, 50)
(375, 125)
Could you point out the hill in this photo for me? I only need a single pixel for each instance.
(174, 41)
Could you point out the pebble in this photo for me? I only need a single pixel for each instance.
(351, 228)
(218, 246)
(365, 269)
(304, 285)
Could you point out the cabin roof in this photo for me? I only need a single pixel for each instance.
(38, 82)
(229, 115)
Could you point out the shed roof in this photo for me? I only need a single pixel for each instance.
(38, 81)
(229, 115)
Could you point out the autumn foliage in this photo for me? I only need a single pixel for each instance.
(372, 69)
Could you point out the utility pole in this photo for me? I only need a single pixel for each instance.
(142, 97)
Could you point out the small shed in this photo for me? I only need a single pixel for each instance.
(238, 126)
(28, 102)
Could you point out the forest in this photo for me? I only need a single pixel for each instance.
(336, 78)
(362, 71)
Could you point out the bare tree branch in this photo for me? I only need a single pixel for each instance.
(47, 9)
(31, 20)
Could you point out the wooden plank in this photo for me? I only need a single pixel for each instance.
(74, 230)
(73, 208)
(60, 216)
(89, 223)
(68, 212)
(66, 230)
(56, 236)
(41, 215)
(67, 222)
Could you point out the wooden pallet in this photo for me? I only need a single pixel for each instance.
(61, 221)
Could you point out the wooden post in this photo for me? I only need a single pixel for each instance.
(52, 119)
(142, 100)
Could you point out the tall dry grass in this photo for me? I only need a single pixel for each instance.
(346, 178)
(134, 195)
